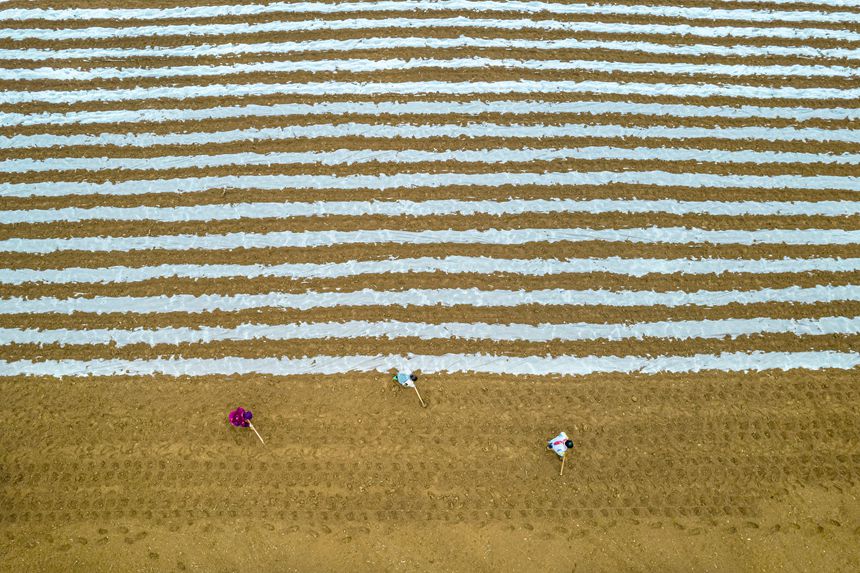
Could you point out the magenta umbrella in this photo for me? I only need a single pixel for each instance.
(241, 418)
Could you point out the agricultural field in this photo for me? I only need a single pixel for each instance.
(634, 221)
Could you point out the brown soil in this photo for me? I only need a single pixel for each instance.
(341, 253)
(437, 280)
(697, 472)
(526, 314)
(538, 117)
(482, 222)
(619, 191)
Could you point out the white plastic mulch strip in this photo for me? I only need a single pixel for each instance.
(406, 156)
(451, 265)
(432, 180)
(694, 90)
(678, 330)
(243, 240)
(478, 363)
(424, 131)
(403, 207)
(424, 297)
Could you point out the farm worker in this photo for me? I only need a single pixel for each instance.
(560, 444)
(406, 380)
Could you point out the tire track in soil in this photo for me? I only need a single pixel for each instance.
(637, 456)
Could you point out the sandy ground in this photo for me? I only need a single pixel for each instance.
(704, 472)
